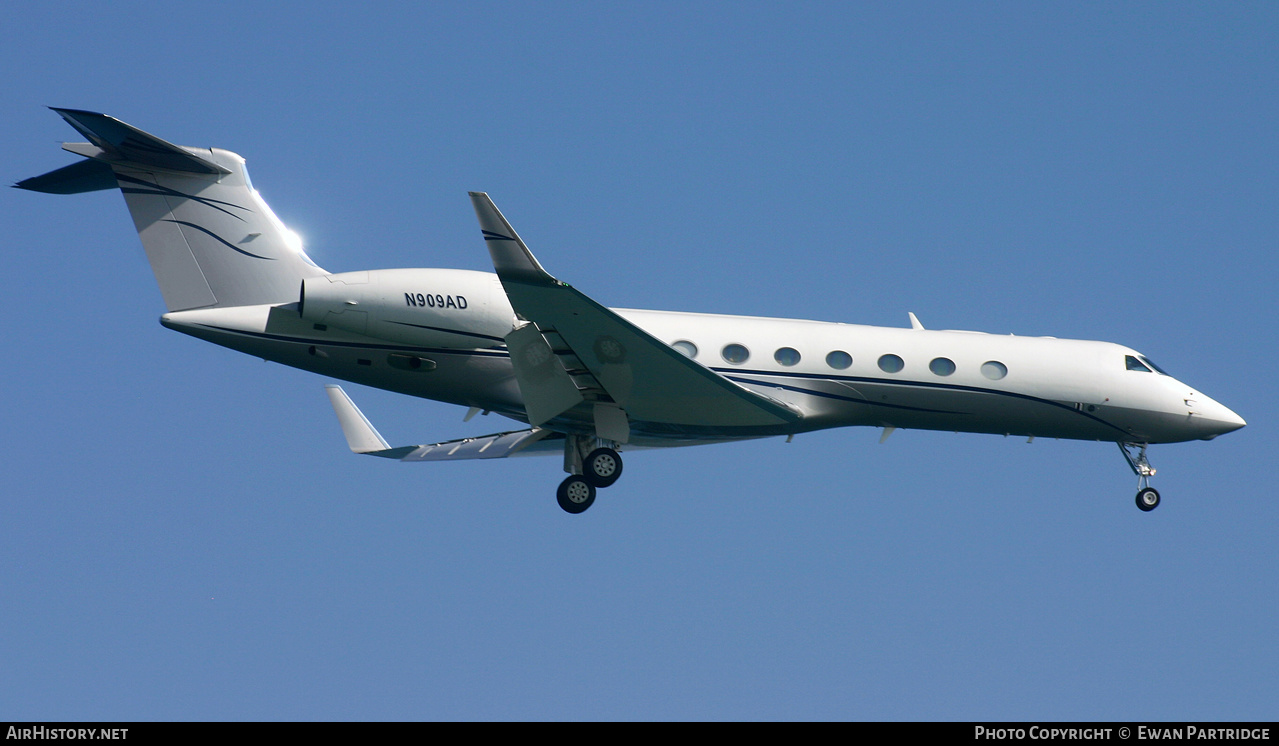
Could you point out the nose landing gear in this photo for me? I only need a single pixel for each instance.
(1147, 496)
(1148, 499)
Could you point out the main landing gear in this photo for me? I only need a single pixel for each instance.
(575, 494)
(598, 469)
(1147, 496)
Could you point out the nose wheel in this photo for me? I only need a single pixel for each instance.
(1148, 499)
(1147, 496)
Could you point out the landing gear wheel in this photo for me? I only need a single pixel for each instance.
(602, 467)
(1148, 499)
(575, 494)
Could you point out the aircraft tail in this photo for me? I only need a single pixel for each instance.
(211, 240)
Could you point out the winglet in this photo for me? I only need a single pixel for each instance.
(511, 258)
(360, 434)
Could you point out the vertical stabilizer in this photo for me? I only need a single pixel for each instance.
(210, 238)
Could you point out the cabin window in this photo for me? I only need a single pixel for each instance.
(1133, 363)
(994, 370)
(891, 364)
(735, 353)
(942, 366)
(686, 348)
(787, 356)
(839, 360)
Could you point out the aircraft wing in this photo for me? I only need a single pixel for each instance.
(645, 379)
(363, 438)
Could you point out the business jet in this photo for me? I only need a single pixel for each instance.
(586, 381)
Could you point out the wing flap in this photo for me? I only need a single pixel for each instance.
(498, 445)
(546, 386)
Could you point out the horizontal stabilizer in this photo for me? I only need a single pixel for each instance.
(85, 176)
(123, 144)
(363, 438)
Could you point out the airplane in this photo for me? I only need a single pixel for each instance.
(582, 380)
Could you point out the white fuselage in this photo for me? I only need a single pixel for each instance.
(590, 380)
(381, 334)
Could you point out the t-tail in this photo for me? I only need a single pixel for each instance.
(211, 240)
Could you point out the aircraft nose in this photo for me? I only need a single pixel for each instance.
(1231, 422)
(1218, 419)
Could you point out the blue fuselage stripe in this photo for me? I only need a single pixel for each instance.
(736, 375)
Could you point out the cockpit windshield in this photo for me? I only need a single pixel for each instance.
(1151, 363)
(1132, 363)
(1142, 363)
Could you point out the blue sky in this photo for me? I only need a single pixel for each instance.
(183, 534)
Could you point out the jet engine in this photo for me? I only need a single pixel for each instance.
(422, 307)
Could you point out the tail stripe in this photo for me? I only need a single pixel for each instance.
(163, 191)
(216, 237)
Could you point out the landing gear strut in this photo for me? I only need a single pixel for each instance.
(600, 468)
(1147, 496)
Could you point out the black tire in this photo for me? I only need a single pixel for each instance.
(575, 495)
(1148, 499)
(602, 467)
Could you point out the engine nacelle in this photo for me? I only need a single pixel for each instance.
(453, 308)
